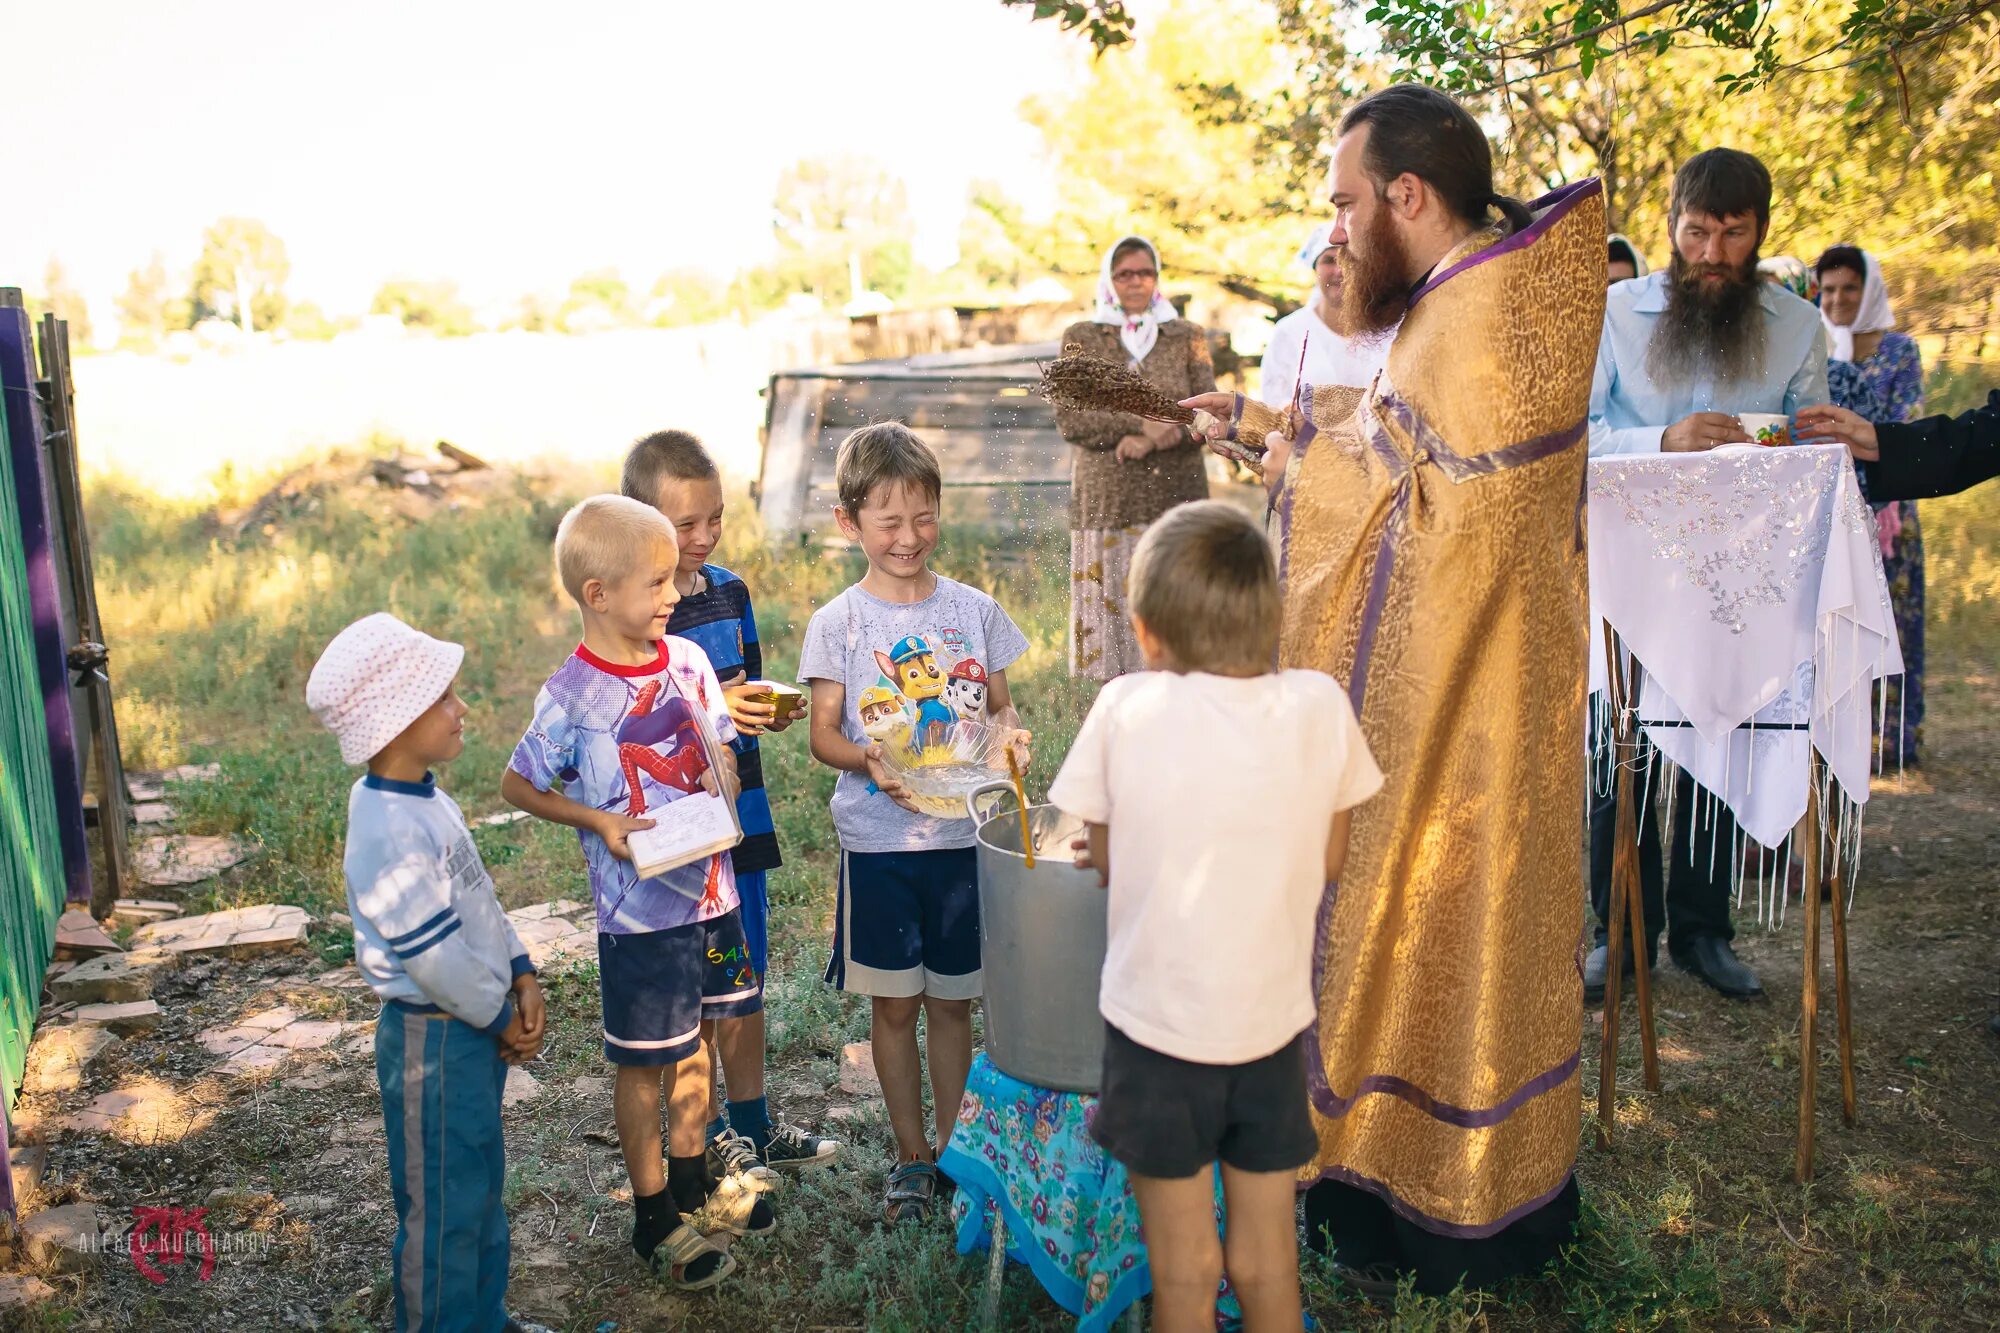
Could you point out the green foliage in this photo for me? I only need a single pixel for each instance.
(435, 306)
(1904, 166)
(835, 216)
(306, 322)
(240, 275)
(688, 296)
(66, 303)
(598, 300)
(1476, 48)
(145, 310)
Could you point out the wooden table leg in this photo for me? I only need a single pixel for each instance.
(1614, 971)
(996, 1270)
(1642, 971)
(1802, 1168)
(1843, 1008)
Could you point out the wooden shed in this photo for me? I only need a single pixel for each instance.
(1003, 459)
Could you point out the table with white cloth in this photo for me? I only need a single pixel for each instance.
(1741, 622)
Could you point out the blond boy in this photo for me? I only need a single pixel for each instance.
(615, 734)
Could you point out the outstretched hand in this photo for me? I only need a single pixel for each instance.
(1837, 423)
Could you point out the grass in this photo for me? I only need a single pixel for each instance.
(1690, 1223)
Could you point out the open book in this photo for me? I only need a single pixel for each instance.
(682, 786)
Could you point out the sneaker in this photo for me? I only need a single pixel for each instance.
(792, 1149)
(737, 1208)
(733, 1157)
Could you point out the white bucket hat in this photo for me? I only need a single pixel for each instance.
(375, 679)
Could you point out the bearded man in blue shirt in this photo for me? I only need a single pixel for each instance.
(1683, 352)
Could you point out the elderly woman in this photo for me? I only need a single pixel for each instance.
(1877, 372)
(1791, 274)
(1127, 471)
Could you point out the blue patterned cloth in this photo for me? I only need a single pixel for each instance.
(1069, 1211)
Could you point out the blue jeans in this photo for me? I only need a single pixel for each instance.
(441, 1083)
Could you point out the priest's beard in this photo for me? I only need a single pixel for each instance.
(1714, 326)
(1375, 266)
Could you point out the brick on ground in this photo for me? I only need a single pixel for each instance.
(241, 932)
(59, 1056)
(143, 911)
(175, 860)
(79, 936)
(857, 1070)
(23, 1293)
(112, 978)
(142, 1111)
(264, 1040)
(63, 1238)
(127, 1019)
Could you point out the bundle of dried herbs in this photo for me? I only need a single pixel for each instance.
(1085, 383)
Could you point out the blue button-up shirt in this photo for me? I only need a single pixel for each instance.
(1629, 412)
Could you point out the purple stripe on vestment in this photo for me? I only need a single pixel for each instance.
(1461, 467)
(1306, 433)
(1438, 1226)
(1378, 593)
(1550, 209)
(1333, 1106)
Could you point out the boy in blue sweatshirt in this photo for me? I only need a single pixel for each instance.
(459, 997)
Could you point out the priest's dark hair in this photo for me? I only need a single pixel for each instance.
(1419, 130)
(1721, 182)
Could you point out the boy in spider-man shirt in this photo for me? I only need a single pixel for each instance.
(616, 726)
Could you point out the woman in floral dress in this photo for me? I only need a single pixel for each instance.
(1876, 372)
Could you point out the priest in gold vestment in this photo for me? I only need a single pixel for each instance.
(1433, 558)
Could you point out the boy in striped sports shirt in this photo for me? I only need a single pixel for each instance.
(672, 472)
(459, 997)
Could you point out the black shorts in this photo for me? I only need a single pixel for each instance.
(1168, 1118)
(659, 986)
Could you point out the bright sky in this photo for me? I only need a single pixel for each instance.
(509, 146)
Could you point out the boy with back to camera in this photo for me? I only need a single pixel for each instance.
(617, 728)
(671, 471)
(1217, 795)
(906, 929)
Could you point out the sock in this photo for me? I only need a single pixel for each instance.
(654, 1218)
(752, 1119)
(687, 1181)
(717, 1128)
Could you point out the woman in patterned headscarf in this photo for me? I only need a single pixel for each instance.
(1876, 371)
(1791, 274)
(1127, 471)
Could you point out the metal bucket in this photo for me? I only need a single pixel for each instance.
(1041, 934)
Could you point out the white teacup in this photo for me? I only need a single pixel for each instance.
(1770, 428)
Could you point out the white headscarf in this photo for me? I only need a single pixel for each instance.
(1318, 241)
(1874, 316)
(1137, 332)
(1639, 266)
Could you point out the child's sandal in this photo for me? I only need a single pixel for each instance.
(911, 1188)
(684, 1250)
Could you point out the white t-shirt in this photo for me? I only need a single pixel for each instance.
(1219, 792)
(1329, 358)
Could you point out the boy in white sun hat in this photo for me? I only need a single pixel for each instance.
(459, 997)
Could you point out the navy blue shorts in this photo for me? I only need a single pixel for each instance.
(659, 985)
(908, 924)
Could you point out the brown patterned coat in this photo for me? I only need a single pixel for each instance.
(1106, 492)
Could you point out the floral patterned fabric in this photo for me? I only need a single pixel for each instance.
(1102, 645)
(1889, 386)
(1069, 1212)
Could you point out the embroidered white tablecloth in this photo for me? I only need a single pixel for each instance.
(1748, 583)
